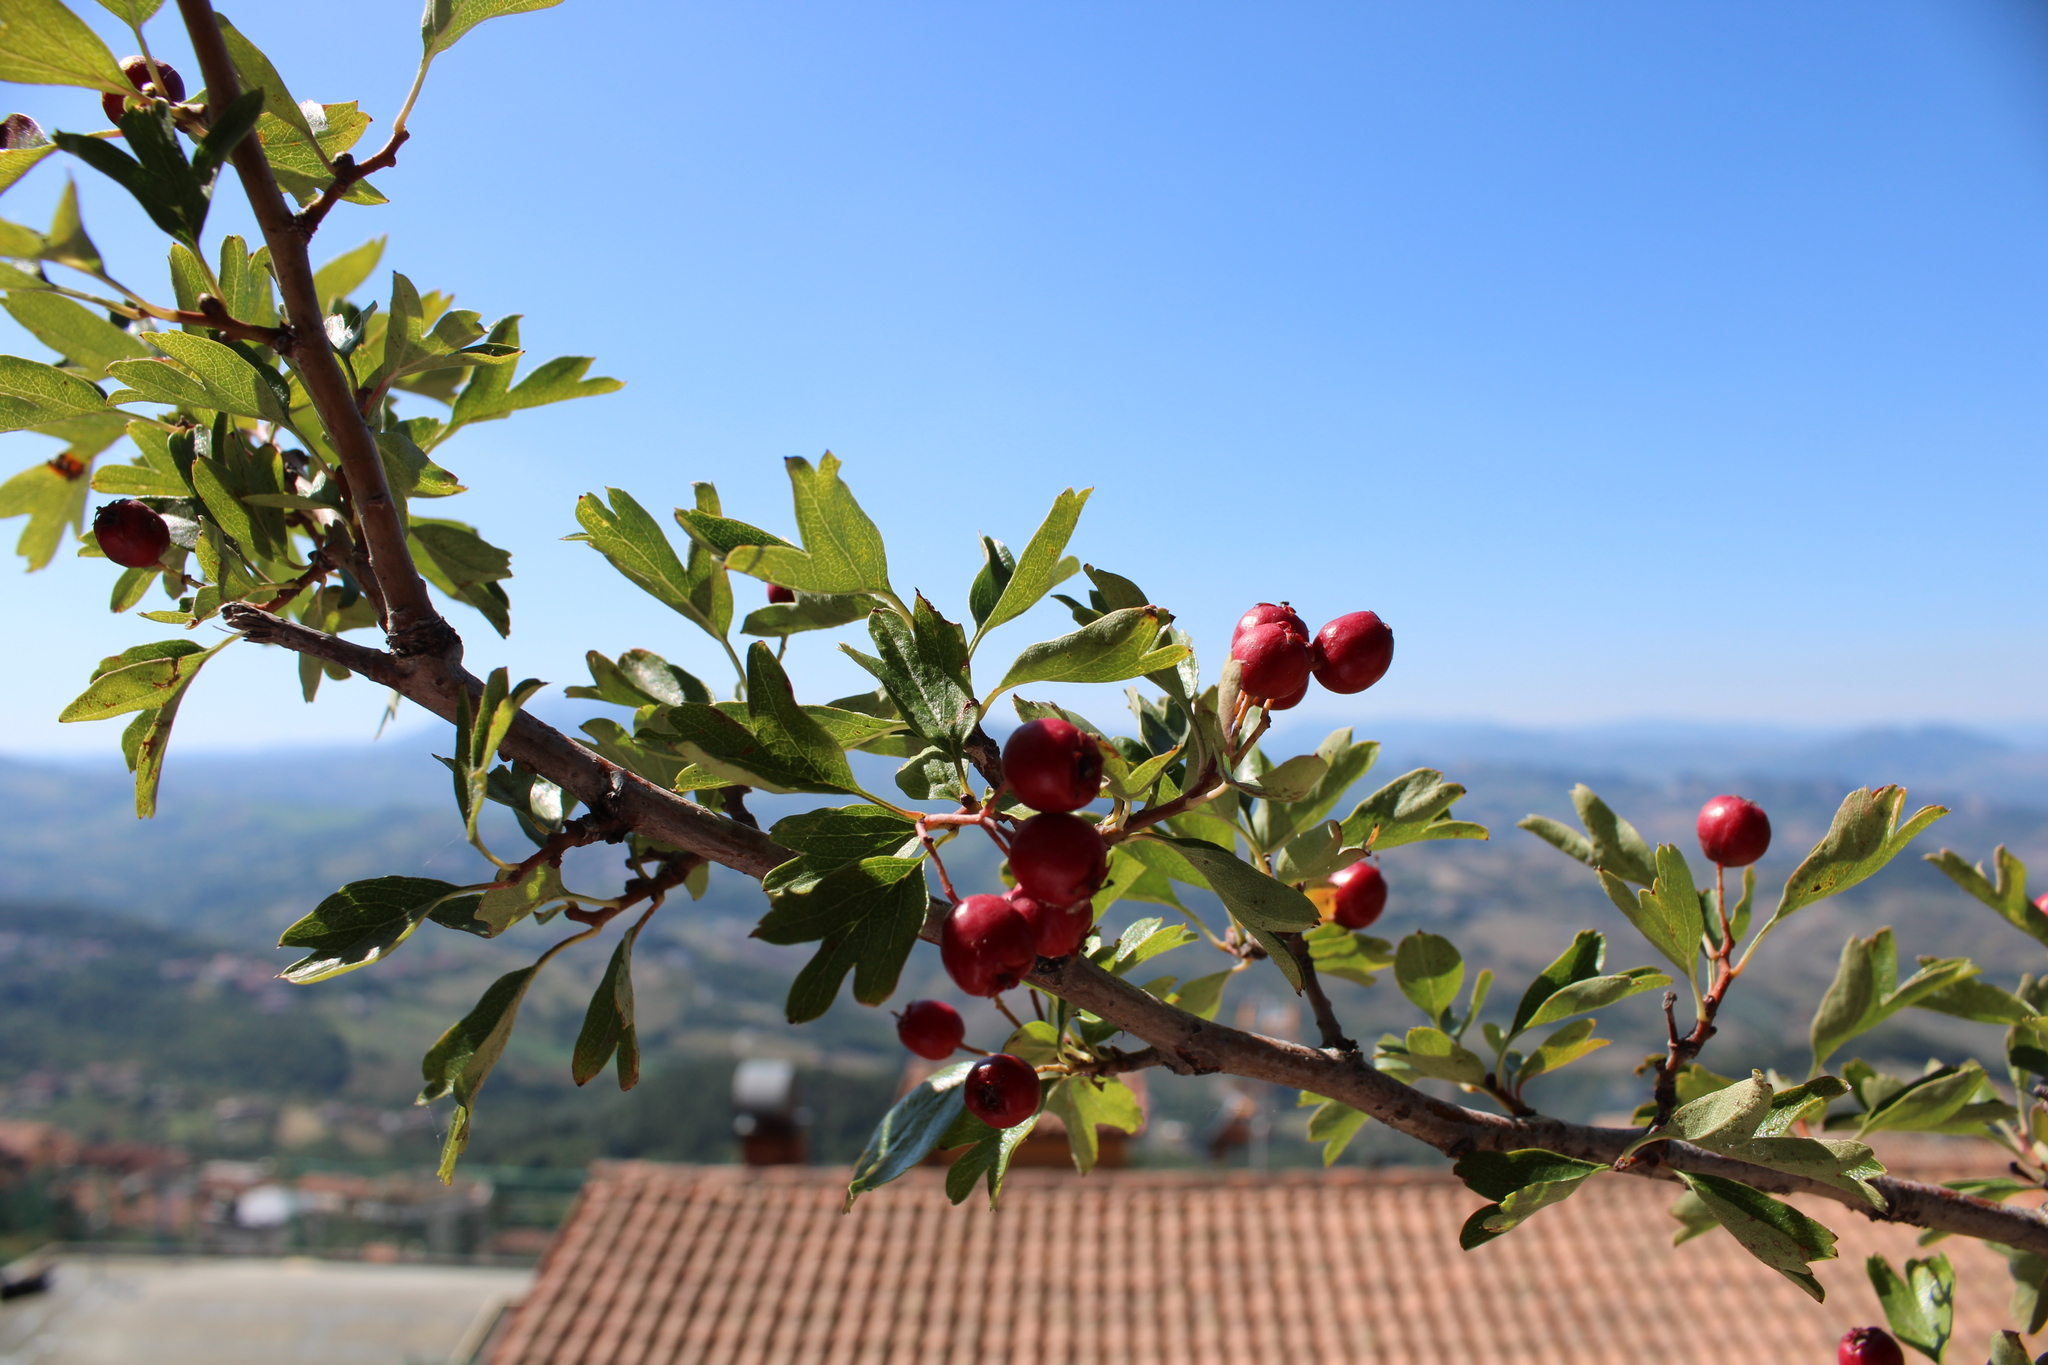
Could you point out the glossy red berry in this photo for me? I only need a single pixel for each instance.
(1058, 859)
(1052, 765)
(1270, 614)
(985, 945)
(1353, 652)
(778, 593)
(1290, 701)
(1001, 1091)
(1274, 658)
(930, 1028)
(1056, 930)
(1361, 894)
(131, 534)
(136, 69)
(1869, 1346)
(1733, 832)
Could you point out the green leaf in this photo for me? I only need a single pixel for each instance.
(461, 1060)
(809, 612)
(1716, 1120)
(1521, 1183)
(1562, 1048)
(364, 921)
(1864, 836)
(1292, 780)
(32, 394)
(43, 43)
(1777, 1234)
(1920, 1305)
(1433, 1052)
(1563, 838)
(997, 566)
(230, 382)
(257, 73)
(910, 1130)
(84, 338)
(922, 665)
(2008, 1349)
(538, 887)
(1864, 994)
(132, 12)
(1928, 1104)
(608, 1024)
(1585, 957)
(1336, 951)
(739, 756)
(1256, 900)
(1617, 847)
(1413, 808)
(1668, 913)
(490, 394)
(1203, 996)
(1037, 1042)
(988, 1158)
(1118, 646)
(1086, 1103)
(346, 273)
(1344, 763)
(15, 162)
(446, 21)
(52, 495)
(1038, 568)
(639, 678)
(867, 914)
(2007, 895)
(633, 543)
(842, 551)
(143, 678)
(837, 835)
(1333, 1124)
(1430, 972)
(1597, 993)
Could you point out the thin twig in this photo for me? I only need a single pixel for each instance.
(1319, 1001)
(347, 172)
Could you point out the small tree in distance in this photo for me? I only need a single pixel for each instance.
(274, 477)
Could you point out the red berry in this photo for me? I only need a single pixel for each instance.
(986, 945)
(778, 593)
(136, 69)
(1270, 614)
(1361, 894)
(1290, 701)
(1052, 765)
(930, 1028)
(1275, 660)
(1869, 1346)
(1056, 930)
(1733, 832)
(1058, 858)
(131, 534)
(1001, 1091)
(1353, 652)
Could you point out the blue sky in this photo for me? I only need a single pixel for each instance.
(1633, 361)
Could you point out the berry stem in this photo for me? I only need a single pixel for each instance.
(932, 851)
(1004, 1006)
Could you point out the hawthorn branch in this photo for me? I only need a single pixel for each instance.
(1180, 1041)
(347, 171)
(411, 622)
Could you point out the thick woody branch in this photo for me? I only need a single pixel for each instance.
(1181, 1042)
(412, 623)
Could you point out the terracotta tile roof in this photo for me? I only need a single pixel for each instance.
(737, 1266)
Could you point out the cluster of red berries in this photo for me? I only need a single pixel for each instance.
(131, 534)
(1734, 831)
(1868, 1346)
(1000, 1090)
(1278, 657)
(136, 69)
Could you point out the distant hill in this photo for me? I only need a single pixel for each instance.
(247, 843)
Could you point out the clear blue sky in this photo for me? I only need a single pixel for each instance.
(1677, 360)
